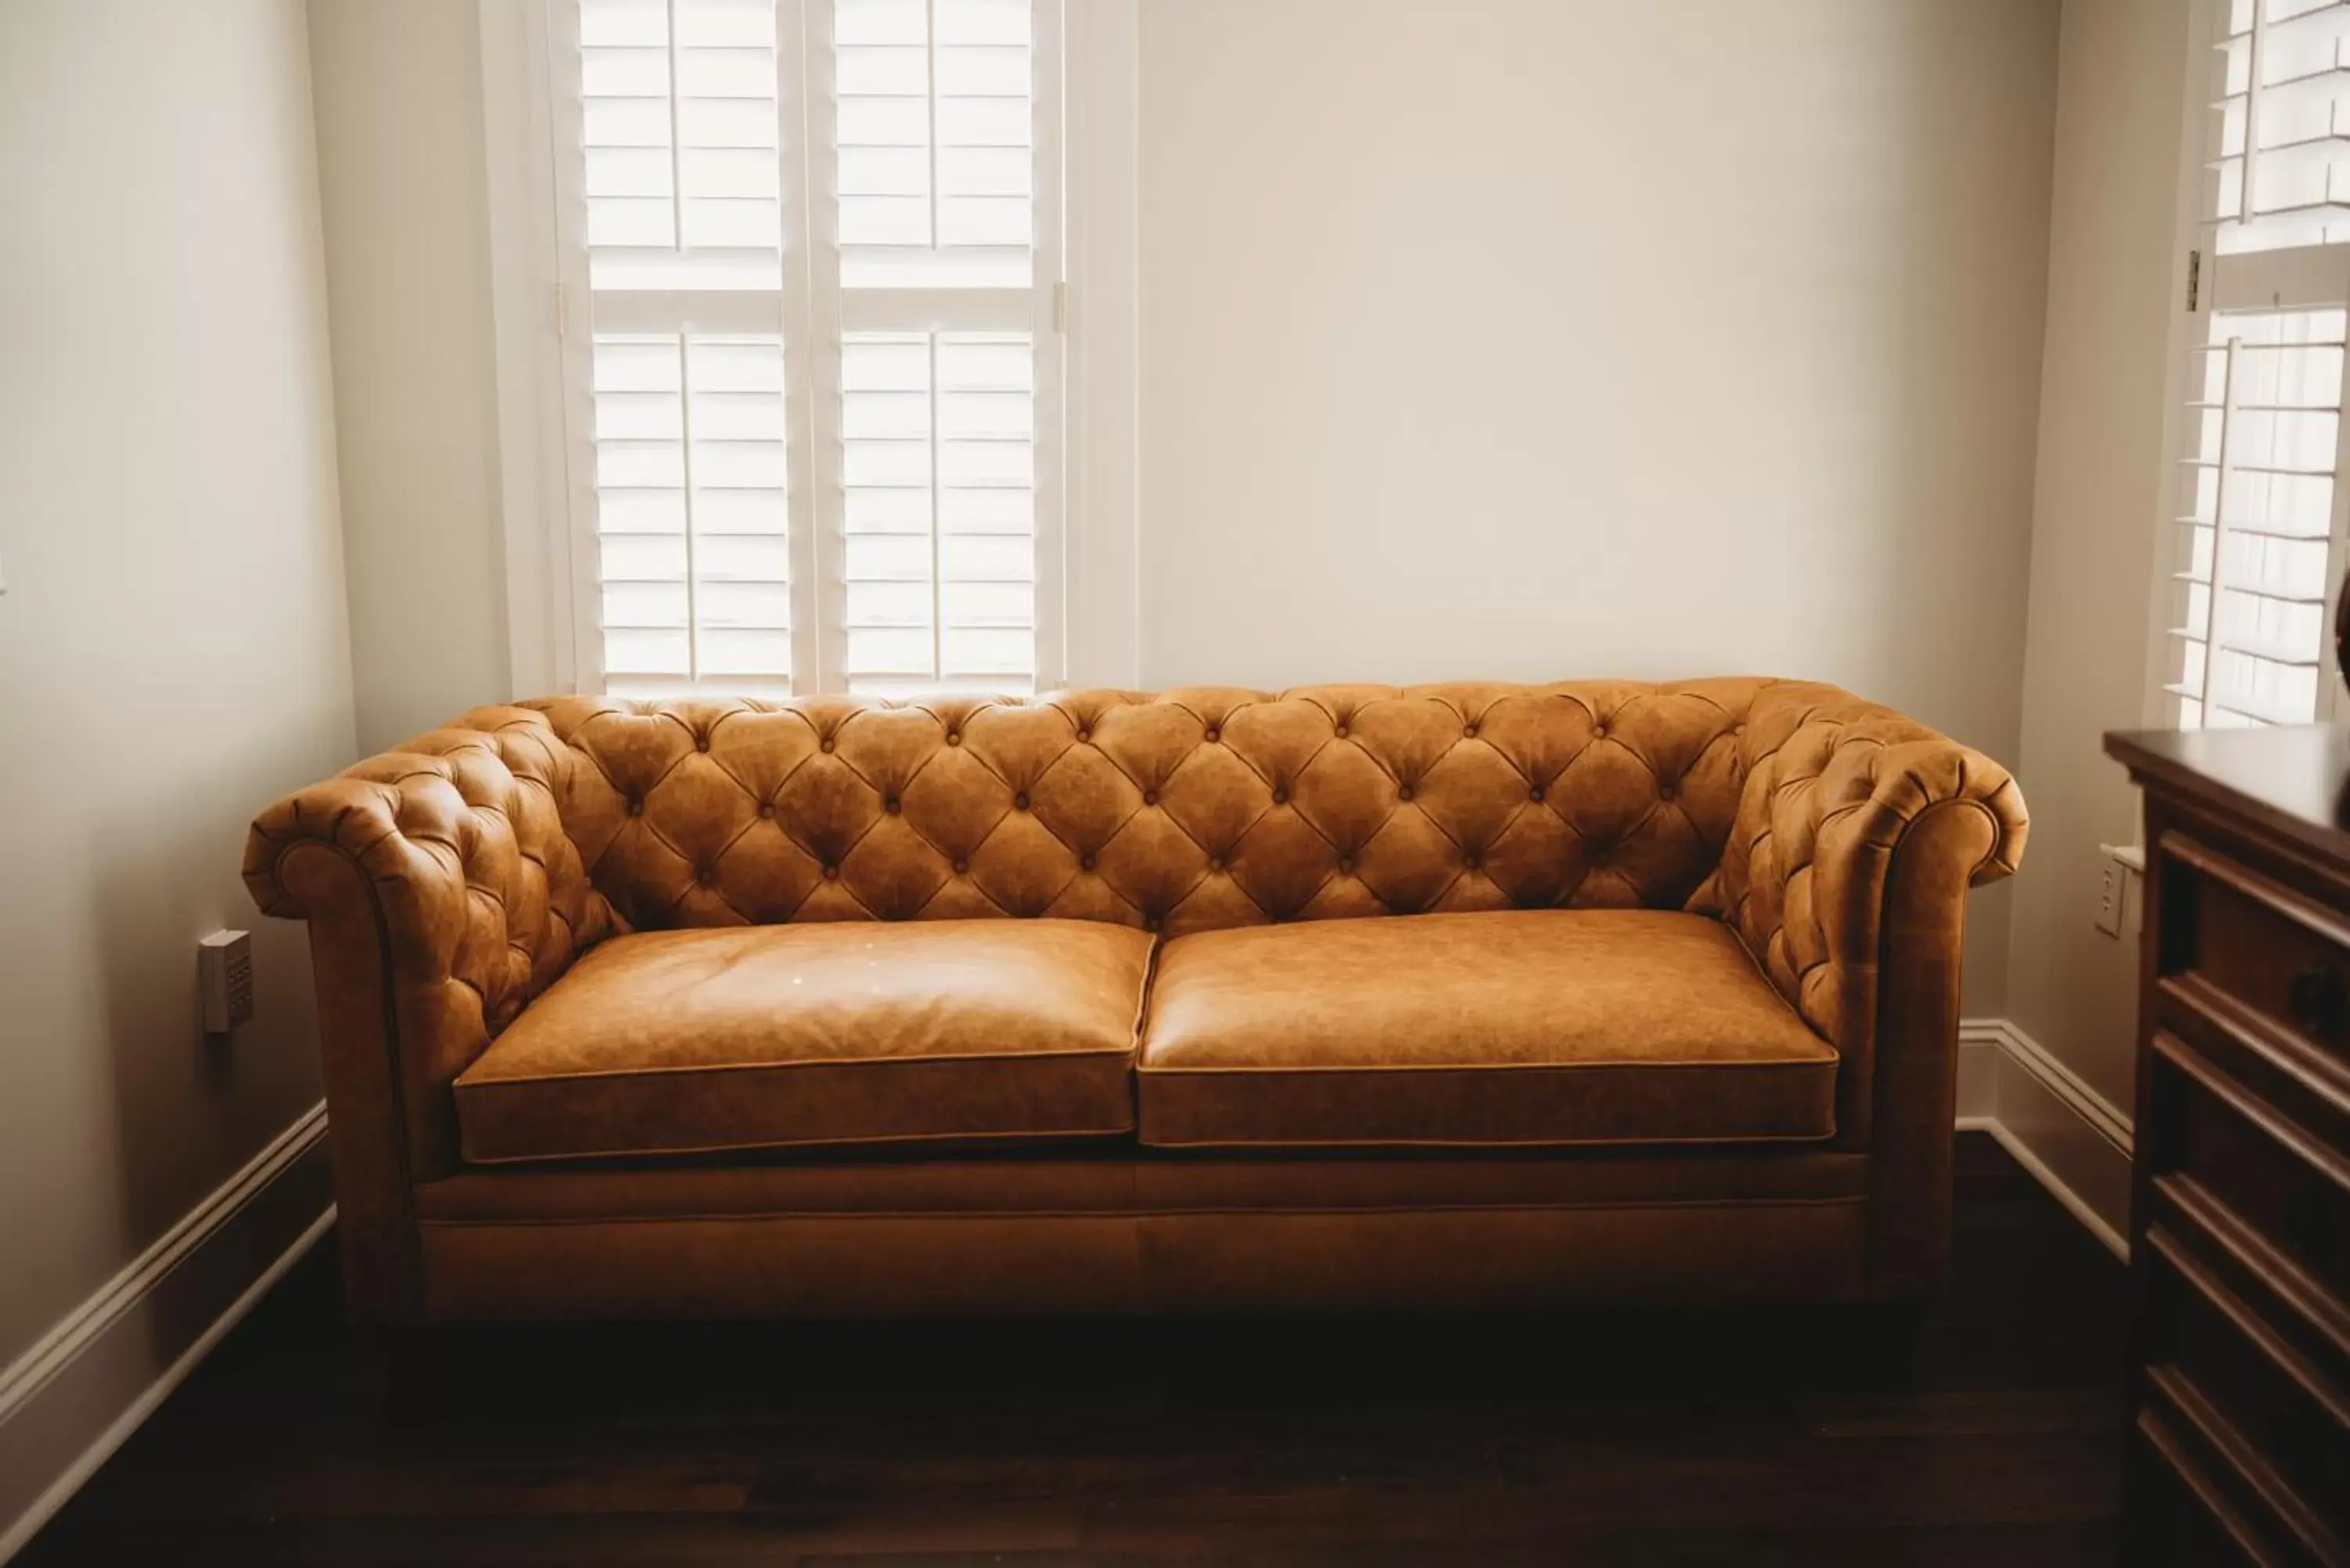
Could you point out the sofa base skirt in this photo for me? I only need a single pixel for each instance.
(865, 1265)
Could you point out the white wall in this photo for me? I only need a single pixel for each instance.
(401, 169)
(173, 647)
(1536, 339)
(1512, 338)
(2110, 304)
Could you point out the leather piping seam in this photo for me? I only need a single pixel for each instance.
(1286, 1068)
(1709, 1140)
(676, 1069)
(859, 1141)
(1219, 1211)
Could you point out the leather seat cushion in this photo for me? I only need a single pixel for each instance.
(833, 1033)
(1506, 1027)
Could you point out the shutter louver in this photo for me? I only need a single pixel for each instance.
(2260, 510)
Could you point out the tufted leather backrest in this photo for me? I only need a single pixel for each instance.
(1180, 811)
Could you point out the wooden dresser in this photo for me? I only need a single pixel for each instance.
(2240, 1234)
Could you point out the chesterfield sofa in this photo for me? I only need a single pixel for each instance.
(1441, 997)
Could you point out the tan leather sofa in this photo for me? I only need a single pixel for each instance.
(1437, 997)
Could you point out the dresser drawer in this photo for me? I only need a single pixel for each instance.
(2190, 1508)
(2283, 956)
(2268, 1191)
(2275, 1418)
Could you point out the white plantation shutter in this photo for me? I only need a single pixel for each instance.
(947, 408)
(938, 437)
(936, 137)
(819, 246)
(690, 475)
(2256, 544)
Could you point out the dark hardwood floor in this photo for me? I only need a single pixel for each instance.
(1991, 1437)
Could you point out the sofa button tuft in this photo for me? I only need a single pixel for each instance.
(1281, 797)
(831, 872)
(954, 737)
(767, 808)
(1020, 801)
(1340, 731)
(890, 806)
(1346, 865)
(1535, 794)
(701, 742)
(825, 746)
(636, 806)
(962, 868)
(1085, 861)
(1403, 792)
(1150, 797)
(1085, 734)
(1215, 734)
(1215, 863)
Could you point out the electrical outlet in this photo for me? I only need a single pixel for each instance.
(224, 964)
(2113, 881)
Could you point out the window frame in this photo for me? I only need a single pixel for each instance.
(1084, 320)
(2199, 271)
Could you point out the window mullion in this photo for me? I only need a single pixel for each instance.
(684, 364)
(692, 506)
(1048, 336)
(812, 349)
(938, 556)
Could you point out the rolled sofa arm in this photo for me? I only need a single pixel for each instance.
(1845, 875)
(1835, 786)
(443, 895)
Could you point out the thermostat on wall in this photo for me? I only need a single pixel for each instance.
(224, 960)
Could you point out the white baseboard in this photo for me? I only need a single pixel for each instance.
(2072, 1139)
(69, 1402)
